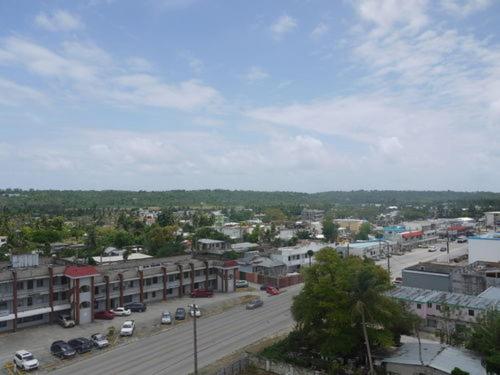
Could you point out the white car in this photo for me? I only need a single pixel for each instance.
(99, 340)
(166, 317)
(25, 360)
(194, 310)
(121, 311)
(127, 328)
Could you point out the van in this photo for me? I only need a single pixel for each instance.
(65, 321)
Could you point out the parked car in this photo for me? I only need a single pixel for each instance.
(62, 349)
(432, 249)
(128, 328)
(398, 281)
(136, 306)
(25, 360)
(241, 284)
(462, 239)
(65, 320)
(194, 310)
(106, 315)
(272, 290)
(202, 293)
(180, 313)
(254, 304)
(442, 249)
(121, 311)
(265, 286)
(99, 340)
(166, 317)
(81, 345)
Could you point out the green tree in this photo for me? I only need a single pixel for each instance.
(166, 217)
(274, 215)
(330, 230)
(363, 232)
(485, 340)
(123, 238)
(342, 309)
(457, 371)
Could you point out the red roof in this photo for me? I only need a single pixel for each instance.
(75, 272)
(458, 228)
(230, 263)
(417, 233)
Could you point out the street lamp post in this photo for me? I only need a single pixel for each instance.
(193, 308)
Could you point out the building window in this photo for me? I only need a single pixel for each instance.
(131, 284)
(127, 299)
(186, 275)
(3, 324)
(29, 301)
(146, 295)
(471, 312)
(432, 323)
(39, 283)
(85, 305)
(155, 280)
(148, 281)
(419, 306)
(84, 289)
(20, 285)
(63, 295)
(96, 290)
(170, 291)
(429, 305)
(3, 305)
(30, 284)
(153, 294)
(438, 307)
(64, 280)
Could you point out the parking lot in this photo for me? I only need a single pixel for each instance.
(38, 339)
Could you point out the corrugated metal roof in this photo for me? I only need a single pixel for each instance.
(453, 299)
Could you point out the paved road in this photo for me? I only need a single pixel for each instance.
(171, 353)
(398, 262)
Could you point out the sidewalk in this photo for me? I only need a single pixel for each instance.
(39, 338)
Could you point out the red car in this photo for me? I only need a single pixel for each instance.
(106, 315)
(272, 290)
(202, 293)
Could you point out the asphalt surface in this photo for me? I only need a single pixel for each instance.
(399, 262)
(171, 352)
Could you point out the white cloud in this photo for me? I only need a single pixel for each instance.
(87, 70)
(320, 30)
(59, 20)
(387, 14)
(465, 7)
(139, 64)
(255, 73)
(14, 94)
(282, 26)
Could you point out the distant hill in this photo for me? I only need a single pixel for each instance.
(60, 200)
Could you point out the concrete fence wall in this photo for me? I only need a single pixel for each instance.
(280, 368)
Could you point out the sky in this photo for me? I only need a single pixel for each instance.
(297, 95)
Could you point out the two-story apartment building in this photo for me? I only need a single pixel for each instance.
(295, 257)
(35, 295)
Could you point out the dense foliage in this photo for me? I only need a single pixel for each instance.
(58, 201)
(485, 340)
(343, 302)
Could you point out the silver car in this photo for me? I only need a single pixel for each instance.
(254, 304)
(166, 317)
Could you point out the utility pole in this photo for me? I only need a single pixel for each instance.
(195, 341)
(448, 243)
(388, 253)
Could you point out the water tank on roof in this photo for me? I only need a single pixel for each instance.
(24, 260)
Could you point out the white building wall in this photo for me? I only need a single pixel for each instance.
(487, 250)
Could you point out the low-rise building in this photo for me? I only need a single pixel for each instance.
(492, 219)
(431, 358)
(351, 225)
(442, 311)
(312, 215)
(484, 248)
(255, 263)
(369, 249)
(241, 247)
(35, 295)
(428, 275)
(209, 246)
(297, 256)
